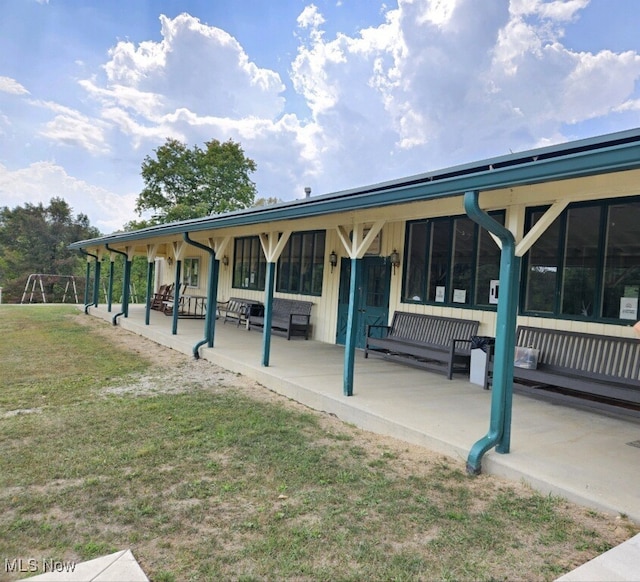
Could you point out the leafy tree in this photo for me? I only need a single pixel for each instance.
(35, 239)
(269, 201)
(182, 183)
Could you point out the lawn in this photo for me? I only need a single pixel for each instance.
(111, 442)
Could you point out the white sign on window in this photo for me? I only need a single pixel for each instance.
(440, 294)
(459, 296)
(628, 308)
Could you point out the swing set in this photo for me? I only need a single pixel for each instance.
(35, 286)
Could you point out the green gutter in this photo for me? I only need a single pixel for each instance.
(525, 168)
(499, 434)
(125, 285)
(96, 283)
(212, 294)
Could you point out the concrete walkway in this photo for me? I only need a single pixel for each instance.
(118, 567)
(589, 458)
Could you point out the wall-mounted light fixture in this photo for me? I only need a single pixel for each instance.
(169, 261)
(395, 260)
(225, 261)
(333, 260)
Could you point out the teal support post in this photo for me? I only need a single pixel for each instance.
(86, 285)
(126, 286)
(112, 265)
(499, 434)
(147, 310)
(96, 283)
(212, 300)
(268, 313)
(176, 298)
(350, 341)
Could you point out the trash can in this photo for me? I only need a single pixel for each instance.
(479, 347)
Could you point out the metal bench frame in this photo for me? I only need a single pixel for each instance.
(598, 365)
(289, 317)
(433, 342)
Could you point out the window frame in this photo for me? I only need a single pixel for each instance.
(188, 272)
(448, 224)
(600, 267)
(247, 252)
(294, 266)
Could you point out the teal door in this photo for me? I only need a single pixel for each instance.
(373, 297)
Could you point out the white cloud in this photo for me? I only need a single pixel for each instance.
(197, 67)
(72, 128)
(437, 83)
(41, 181)
(11, 86)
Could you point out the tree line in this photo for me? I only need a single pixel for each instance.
(180, 183)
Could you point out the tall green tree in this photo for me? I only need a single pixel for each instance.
(34, 239)
(183, 183)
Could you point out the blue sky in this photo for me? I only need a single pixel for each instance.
(330, 94)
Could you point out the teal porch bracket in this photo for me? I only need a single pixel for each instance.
(268, 312)
(212, 296)
(350, 340)
(147, 306)
(176, 298)
(126, 281)
(499, 434)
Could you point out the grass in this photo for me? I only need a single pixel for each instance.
(218, 483)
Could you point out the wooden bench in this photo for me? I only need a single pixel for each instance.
(289, 317)
(601, 366)
(437, 343)
(236, 309)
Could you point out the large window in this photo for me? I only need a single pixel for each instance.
(249, 264)
(301, 265)
(191, 272)
(586, 265)
(450, 260)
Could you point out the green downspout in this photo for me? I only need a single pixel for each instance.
(95, 283)
(147, 310)
(268, 312)
(350, 340)
(125, 285)
(499, 434)
(110, 290)
(212, 295)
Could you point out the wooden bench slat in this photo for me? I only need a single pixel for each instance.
(598, 365)
(425, 340)
(289, 317)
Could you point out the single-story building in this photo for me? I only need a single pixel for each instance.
(547, 239)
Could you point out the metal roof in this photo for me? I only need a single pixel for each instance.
(608, 153)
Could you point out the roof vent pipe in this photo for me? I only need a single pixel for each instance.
(307, 192)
